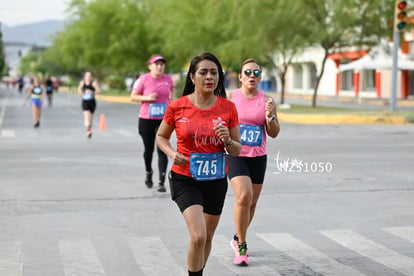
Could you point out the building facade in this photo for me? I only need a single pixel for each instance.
(372, 83)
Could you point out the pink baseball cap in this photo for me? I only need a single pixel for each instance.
(156, 58)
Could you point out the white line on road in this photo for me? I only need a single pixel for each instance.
(153, 257)
(80, 258)
(406, 233)
(11, 259)
(373, 250)
(307, 255)
(3, 108)
(7, 133)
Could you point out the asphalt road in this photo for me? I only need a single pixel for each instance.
(337, 200)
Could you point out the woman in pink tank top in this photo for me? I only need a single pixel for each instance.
(153, 91)
(257, 118)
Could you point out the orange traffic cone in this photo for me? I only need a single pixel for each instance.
(102, 122)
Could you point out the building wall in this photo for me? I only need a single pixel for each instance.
(300, 72)
(310, 65)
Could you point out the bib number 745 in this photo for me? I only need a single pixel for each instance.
(207, 166)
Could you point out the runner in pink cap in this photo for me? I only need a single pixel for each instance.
(154, 91)
(156, 58)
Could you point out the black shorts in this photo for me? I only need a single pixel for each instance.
(89, 105)
(253, 167)
(186, 191)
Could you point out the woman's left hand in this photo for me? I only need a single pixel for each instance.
(269, 108)
(222, 132)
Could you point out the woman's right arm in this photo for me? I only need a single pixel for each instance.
(29, 91)
(135, 98)
(163, 142)
(80, 88)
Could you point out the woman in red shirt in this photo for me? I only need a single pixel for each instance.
(206, 126)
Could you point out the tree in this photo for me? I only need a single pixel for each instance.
(2, 61)
(271, 31)
(107, 37)
(337, 25)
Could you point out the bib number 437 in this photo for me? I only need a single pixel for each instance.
(251, 135)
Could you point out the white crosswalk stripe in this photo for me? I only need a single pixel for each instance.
(153, 257)
(74, 132)
(406, 233)
(7, 133)
(373, 250)
(307, 255)
(80, 258)
(224, 254)
(11, 258)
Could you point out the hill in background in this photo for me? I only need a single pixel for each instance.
(37, 33)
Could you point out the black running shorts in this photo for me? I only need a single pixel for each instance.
(186, 191)
(254, 167)
(89, 105)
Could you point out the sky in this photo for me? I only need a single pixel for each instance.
(17, 12)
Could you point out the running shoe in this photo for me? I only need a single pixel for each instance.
(234, 244)
(161, 189)
(37, 124)
(241, 255)
(148, 179)
(89, 133)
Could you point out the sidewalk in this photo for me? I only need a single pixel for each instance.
(371, 104)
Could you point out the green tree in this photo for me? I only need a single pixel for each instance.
(184, 32)
(337, 25)
(2, 61)
(30, 63)
(271, 31)
(115, 37)
(107, 37)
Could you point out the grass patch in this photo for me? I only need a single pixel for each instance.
(115, 92)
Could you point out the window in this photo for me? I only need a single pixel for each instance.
(298, 77)
(347, 80)
(368, 80)
(312, 75)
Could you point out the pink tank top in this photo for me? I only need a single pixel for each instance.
(146, 85)
(252, 120)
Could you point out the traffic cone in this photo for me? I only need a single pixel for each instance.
(102, 122)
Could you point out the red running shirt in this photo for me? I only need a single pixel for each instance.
(194, 127)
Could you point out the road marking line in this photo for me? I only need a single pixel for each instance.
(153, 257)
(307, 255)
(11, 259)
(222, 251)
(3, 108)
(8, 133)
(80, 258)
(373, 250)
(406, 233)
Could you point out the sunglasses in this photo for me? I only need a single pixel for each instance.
(256, 72)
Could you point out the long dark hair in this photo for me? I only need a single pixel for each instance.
(189, 85)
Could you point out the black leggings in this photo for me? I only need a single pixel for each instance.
(147, 128)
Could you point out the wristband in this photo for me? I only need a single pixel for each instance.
(229, 143)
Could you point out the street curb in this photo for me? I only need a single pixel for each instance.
(115, 99)
(319, 119)
(339, 119)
